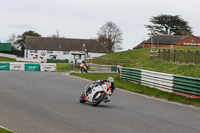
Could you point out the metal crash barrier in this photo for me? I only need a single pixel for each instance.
(181, 85)
(21, 66)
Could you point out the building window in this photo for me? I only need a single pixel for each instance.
(192, 40)
(77, 56)
(33, 51)
(53, 56)
(49, 52)
(31, 54)
(65, 52)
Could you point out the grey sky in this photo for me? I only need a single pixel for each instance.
(83, 18)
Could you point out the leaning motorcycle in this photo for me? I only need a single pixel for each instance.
(96, 93)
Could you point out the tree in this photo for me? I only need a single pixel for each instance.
(110, 36)
(57, 35)
(12, 39)
(21, 38)
(169, 25)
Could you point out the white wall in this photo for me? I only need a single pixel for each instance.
(60, 55)
(93, 55)
(8, 55)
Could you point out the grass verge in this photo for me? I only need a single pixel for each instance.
(5, 131)
(64, 67)
(137, 88)
(7, 59)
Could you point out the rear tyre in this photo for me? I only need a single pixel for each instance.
(96, 101)
(81, 99)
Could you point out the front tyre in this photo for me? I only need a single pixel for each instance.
(96, 101)
(81, 99)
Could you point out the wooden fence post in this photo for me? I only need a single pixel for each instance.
(169, 55)
(188, 56)
(163, 54)
(174, 56)
(196, 57)
(181, 56)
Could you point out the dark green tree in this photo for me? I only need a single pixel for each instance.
(169, 25)
(21, 38)
(110, 36)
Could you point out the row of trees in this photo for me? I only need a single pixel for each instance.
(110, 36)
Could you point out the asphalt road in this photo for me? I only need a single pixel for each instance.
(44, 102)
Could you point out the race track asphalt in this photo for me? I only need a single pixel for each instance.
(48, 102)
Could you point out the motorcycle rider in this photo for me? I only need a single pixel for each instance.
(83, 66)
(108, 82)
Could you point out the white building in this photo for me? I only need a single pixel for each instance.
(62, 48)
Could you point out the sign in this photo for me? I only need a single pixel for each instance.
(195, 44)
(32, 67)
(43, 53)
(77, 56)
(4, 66)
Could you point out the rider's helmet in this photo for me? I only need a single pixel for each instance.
(110, 79)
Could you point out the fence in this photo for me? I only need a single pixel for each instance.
(27, 66)
(102, 67)
(110, 61)
(177, 56)
(181, 85)
(186, 86)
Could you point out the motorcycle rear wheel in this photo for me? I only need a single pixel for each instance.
(95, 102)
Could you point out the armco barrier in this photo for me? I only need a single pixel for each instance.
(157, 80)
(186, 86)
(181, 85)
(32, 67)
(48, 67)
(17, 66)
(14, 66)
(4, 66)
(131, 74)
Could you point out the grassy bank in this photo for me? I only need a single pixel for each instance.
(145, 62)
(4, 131)
(7, 59)
(126, 85)
(64, 67)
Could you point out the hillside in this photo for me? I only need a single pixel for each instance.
(145, 62)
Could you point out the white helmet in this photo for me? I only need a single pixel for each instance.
(110, 79)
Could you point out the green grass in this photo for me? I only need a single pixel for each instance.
(145, 62)
(7, 59)
(126, 85)
(4, 131)
(64, 67)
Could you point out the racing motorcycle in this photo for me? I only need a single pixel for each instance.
(96, 93)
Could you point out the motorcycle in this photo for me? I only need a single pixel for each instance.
(96, 93)
(83, 68)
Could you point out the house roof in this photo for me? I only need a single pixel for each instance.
(63, 44)
(166, 39)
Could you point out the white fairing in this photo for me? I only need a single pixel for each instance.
(96, 89)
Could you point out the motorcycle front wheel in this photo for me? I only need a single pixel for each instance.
(96, 101)
(81, 99)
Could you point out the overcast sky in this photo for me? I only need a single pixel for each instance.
(83, 18)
